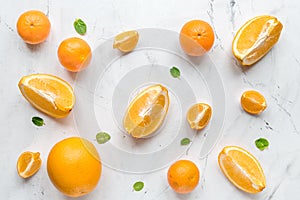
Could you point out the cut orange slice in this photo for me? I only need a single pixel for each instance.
(28, 164)
(253, 102)
(147, 111)
(126, 41)
(255, 38)
(48, 94)
(242, 169)
(199, 115)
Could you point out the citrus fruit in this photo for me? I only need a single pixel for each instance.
(28, 164)
(255, 38)
(74, 166)
(196, 37)
(48, 94)
(126, 41)
(253, 102)
(183, 176)
(147, 111)
(33, 27)
(199, 115)
(74, 54)
(242, 169)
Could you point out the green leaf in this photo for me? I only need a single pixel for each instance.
(37, 121)
(261, 143)
(138, 186)
(185, 141)
(175, 72)
(80, 26)
(102, 137)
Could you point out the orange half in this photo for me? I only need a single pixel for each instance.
(28, 164)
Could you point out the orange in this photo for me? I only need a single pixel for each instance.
(196, 37)
(33, 27)
(183, 176)
(199, 115)
(74, 166)
(147, 111)
(126, 41)
(255, 39)
(242, 169)
(74, 54)
(28, 164)
(48, 94)
(253, 102)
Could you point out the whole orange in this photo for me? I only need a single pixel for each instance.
(74, 54)
(196, 37)
(74, 166)
(183, 176)
(33, 27)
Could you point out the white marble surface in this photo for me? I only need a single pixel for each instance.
(276, 76)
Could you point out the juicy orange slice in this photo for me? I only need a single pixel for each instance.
(48, 94)
(28, 164)
(126, 41)
(242, 169)
(253, 102)
(147, 111)
(199, 115)
(255, 38)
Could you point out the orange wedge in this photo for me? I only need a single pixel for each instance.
(255, 38)
(242, 169)
(147, 111)
(199, 115)
(253, 102)
(28, 164)
(126, 41)
(48, 94)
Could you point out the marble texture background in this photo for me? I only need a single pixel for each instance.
(276, 76)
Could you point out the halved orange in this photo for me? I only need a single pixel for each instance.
(242, 169)
(147, 111)
(199, 115)
(253, 102)
(28, 164)
(48, 93)
(255, 39)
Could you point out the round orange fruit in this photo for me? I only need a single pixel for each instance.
(196, 37)
(74, 166)
(74, 54)
(183, 176)
(33, 27)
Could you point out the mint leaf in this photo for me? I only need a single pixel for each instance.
(185, 141)
(138, 186)
(175, 72)
(37, 121)
(262, 143)
(102, 137)
(80, 26)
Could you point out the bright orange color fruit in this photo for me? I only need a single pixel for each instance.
(33, 27)
(196, 37)
(48, 93)
(199, 115)
(183, 176)
(242, 169)
(255, 39)
(28, 164)
(74, 166)
(253, 102)
(147, 111)
(74, 54)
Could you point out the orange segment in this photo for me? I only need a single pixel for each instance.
(147, 111)
(48, 94)
(255, 38)
(253, 102)
(199, 115)
(28, 164)
(242, 169)
(126, 41)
